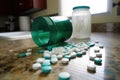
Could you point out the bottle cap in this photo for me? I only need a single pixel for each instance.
(79, 7)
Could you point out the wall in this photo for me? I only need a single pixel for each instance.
(52, 8)
(107, 18)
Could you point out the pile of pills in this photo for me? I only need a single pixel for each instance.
(64, 54)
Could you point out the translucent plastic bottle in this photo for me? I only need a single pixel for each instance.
(50, 30)
(81, 21)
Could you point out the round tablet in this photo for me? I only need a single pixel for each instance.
(92, 56)
(98, 60)
(53, 56)
(28, 53)
(73, 54)
(59, 56)
(21, 55)
(40, 60)
(99, 54)
(64, 76)
(79, 54)
(67, 56)
(36, 66)
(101, 46)
(47, 56)
(29, 50)
(46, 64)
(96, 49)
(83, 52)
(54, 60)
(91, 67)
(65, 60)
(46, 69)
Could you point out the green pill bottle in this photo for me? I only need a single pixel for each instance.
(50, 30)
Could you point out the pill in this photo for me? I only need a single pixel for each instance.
(79, 54)
(64, 76)
(53, 56)
(67, 56)
(101, 46)
(92, 56)
(46, 69)
(98, 54)
(40, 60)
(29, 50)
(49, 48)
(41, 51)
(96, 41)
(96, 49)
(47, 60)
(21, 55)
(46, 64)
(83, 52)
(65, 60)
(36, 66)
(54, 60)
(59, 56)
(28, 53)
(91, 67)
(73, 54)
(47, 56)
(97, 60)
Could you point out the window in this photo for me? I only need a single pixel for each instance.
(96, 6)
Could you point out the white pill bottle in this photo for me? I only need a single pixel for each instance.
(81, 22)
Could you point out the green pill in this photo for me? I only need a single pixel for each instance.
(46, 69)
(21, 55)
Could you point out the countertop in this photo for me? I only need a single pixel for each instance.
(14, 68)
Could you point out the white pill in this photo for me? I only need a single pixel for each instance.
(46, 51)
(47, 55)
(59, 56)
(101, 46)
(40, 60)
(28, 53)
(53, 56)
(91, 67)
(83, 52)
(96, 49)
(96, 41)
(29, 50)
(54, 60)
(36, 66)
(73, 54)
(92, 56)
(99, 54)
(64, 76)
(65, 60)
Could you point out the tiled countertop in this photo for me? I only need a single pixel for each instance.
(14, 68)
